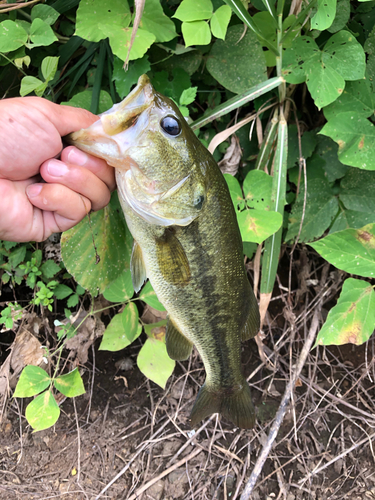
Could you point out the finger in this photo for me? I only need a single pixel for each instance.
(68, 206)
(97, 166)
(77, 179)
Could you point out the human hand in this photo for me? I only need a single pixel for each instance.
(30, 137)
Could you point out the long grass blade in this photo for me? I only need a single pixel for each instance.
(112, 90)
(237, 101)
(273, 243)
(267, 146)
(241, 12)
(98, 78)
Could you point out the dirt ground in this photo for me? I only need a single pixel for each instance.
(128, 439)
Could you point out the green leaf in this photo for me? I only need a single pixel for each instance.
(342, 16)
(308, 145)
(228, 61)
(196, 33)
(70, 384)
(172, 87)
(188, 96)
(327, 150)
(44, 12)
(341, 59)
(122, 330)
(154, 362)
(357, 190)
(92, 14)
(12, 36)
(352, 319)
(124, 80)
(121, 289)
(18, 255)
(220, 20)
(258, 225)
(73, 300)
(155, 21)
(41, 34)
(32, 381)
(355, 136)
(43, 412)
(194, 10)
(352, 219)
(352, 250)
(49, 67)
(49, 268)
(324, 16)
(62, 291)
(119, 39)
(235, 191)
(357, 98)
(83, 100)
(257, 187)
(156, 330)
(149, 296)
(321, 208)
(31, 84)
(113, 242)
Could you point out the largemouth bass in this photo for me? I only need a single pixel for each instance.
(186, 241)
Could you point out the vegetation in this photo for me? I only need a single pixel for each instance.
(293, 80)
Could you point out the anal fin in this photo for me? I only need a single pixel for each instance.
(137, 267)
(252, 324)
(178, 346)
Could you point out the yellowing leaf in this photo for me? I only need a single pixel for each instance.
(42, 412)
(154, 362)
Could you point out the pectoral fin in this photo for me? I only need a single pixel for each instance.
(178, 346)
(252, 324)
(137, 267)
(172, 260)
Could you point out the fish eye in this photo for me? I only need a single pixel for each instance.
(170, 125)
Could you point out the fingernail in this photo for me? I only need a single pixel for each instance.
(33, 190)
(56, 168)
(77, 157)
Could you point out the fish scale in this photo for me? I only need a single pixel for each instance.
(186, 241)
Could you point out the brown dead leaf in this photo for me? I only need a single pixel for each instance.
(232, 158)
(151, 315)
(89, 329)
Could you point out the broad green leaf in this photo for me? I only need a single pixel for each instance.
(352, 250)
(41, 34)
(220, 20)
(70, 384)
(43, 412)
(31, 84)
(308, 145)
(12, 36)
(121, 289)
(257, 187)
(122, 330)
(228, 61)
(124, 80)
(325, 70)
(324, 16)
(149, 296)
(45, 12)
(154, 362)
(357, 98)
(49, 268)
(18, 255)
(83, 100)
(49, 67)
(355, 136)
(258, 225)
(352, 319)
(119, 39)
(235, 191)
(155, 21)
(321, 208)
(194, 10)
(32, 381)
(188, 96)
(357, 190)
(327, 150)
(91, 14)
(342, 16)
(352, 219)
(113, 243)
(172, 86)
(196, 33)
(62, 291)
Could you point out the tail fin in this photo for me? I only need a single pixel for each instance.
(236, 407)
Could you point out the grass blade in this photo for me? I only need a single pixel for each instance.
(237, 101)
(98, 78)
(267, 146)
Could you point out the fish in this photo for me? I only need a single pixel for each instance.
(186, 241)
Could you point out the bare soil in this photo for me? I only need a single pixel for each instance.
(126, 438)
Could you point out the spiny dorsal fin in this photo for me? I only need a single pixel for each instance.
(137, 267)
(178, 346)
(172, 260)
(252, 324)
